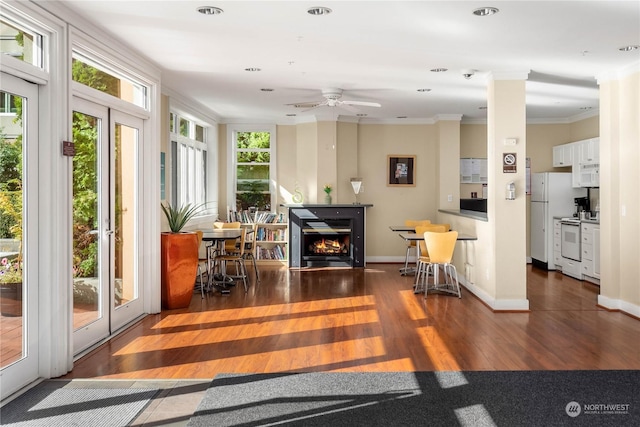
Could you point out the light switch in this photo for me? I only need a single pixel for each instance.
(510, 141)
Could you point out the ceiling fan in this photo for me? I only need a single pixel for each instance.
(332, 99)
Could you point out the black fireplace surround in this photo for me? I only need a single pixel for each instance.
(327, 235)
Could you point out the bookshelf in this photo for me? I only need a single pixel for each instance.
(270, 239)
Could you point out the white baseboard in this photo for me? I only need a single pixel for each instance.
(616, 304)
(497, 305)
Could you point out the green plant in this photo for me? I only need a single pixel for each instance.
(179, 216)
(328, 188)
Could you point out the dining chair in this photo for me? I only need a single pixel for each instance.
(201, 261)
(441, 247)
(411, 244)
(237, 257)
(423, 259)
(249, 248)
(230, 245)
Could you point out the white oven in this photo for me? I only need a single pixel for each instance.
(570, 245)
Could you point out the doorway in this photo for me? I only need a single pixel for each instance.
(106, 233)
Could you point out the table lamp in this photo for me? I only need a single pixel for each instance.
(356, 183)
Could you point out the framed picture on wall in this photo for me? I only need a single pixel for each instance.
(401, 171)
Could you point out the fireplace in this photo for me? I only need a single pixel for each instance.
(327, 235)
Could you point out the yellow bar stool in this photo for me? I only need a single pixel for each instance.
(441, 247)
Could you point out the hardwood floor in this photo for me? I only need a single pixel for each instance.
(368, 320)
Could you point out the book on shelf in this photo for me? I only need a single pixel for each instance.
(256, 217)
(277, 252)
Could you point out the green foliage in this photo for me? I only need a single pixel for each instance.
(179, 216)
(253, 140)
(10, 188)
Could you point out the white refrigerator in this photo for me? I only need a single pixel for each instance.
(552, 196)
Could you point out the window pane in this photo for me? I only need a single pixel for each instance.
(91, 74)
(199, 133)
(253, 200)
(253, 172)
(253, 185)
(19, 43)
(254, 157)
(253, 140)
(184, 127)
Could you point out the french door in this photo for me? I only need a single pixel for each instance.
(18, 233)
(106, 233)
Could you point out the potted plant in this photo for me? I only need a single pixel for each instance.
(11, 287)
(179, 256)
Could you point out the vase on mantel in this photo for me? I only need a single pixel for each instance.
(327, 199)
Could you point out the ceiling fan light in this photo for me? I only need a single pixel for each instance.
(628, 48)
(439, 70)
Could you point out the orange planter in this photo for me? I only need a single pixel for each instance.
(179, 253)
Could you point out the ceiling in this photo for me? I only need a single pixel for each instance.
(379, 51)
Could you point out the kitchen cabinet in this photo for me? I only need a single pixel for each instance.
(473, 171)
(557, 244)
(590, 233)
(589, 151)
(563, 155)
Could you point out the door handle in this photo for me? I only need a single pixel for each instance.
(109, 232)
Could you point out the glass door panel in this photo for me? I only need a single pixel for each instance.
(18, 234)
(90, 221)
(126, 136)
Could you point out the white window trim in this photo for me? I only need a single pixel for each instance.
(232, 129)
(210, 145)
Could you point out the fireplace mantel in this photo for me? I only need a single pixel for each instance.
(300, 213)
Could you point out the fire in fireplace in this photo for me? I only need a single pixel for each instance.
(330, 246)
(327, 241)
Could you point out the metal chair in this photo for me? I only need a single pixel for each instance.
(441, 247)
(423, 259)
(202, 261)
(411, 245)
(237, 257)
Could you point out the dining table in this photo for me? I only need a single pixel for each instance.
(216, 238)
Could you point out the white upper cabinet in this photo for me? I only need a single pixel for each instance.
(563, 155)
(590, 151)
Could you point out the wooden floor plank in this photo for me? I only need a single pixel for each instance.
(368, 320)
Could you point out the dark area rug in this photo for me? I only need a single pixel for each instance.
(87, 407)
(479, 398)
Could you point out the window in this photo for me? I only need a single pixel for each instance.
(8, 104)
(98, 77)
(20, 43)
(254, 169)
(188, 161)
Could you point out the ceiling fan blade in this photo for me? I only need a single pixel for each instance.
(306, 104)
(362, 103)
(348, 107)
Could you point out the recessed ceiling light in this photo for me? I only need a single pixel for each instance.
(265, 89)
(361, 115)
(628, 48)
(424, 90)
(482, 108)
(586, 108)
(291, 115)
(439, 70)
(319, 10)
(252, 69)
(485, 11)
(401, 117)
(210, 10)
